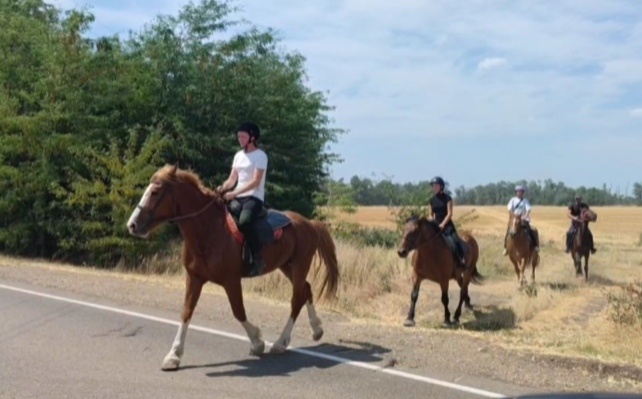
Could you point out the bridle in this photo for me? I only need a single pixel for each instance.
(176, 216)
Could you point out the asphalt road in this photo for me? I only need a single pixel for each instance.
(55, 344)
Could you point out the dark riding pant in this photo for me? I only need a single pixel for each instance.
(450, 233)
(248, 209)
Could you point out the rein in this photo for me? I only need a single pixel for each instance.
(177, 217)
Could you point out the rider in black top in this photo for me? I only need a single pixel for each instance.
(441, 211)
(574, 212)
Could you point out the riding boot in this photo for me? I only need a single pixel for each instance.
(257, 260)
(534, 238)
(592, 244)
(568, 242)
(460, 255)
(505, 240)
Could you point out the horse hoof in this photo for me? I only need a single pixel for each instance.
(277, 349)
(469, 307)
(170, 363)
(317, 335)
(409, 323)
(257, 350)
(447, 324)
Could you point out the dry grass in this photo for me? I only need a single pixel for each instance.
(559, 314)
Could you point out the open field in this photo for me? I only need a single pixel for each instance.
(561, 315)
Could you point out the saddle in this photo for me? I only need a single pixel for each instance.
(268, 225)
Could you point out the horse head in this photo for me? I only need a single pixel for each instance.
(515, 222)
(588, 215)
(165, 198)
(414, 234)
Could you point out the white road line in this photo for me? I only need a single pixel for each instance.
(337, 359)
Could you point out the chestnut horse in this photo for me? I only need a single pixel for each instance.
(212, 253)
(580, 244)
(521, 251)
(433, 260)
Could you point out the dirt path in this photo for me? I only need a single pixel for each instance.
(462, 352)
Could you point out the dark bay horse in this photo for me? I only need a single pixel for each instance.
(434, 261)
(521, 251)
(212, 253)
(580, 243)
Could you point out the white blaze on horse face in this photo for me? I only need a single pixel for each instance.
(144, 200)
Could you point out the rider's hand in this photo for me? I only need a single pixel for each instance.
(229, 196)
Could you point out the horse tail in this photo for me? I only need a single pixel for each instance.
(476, 277)
(328, 255)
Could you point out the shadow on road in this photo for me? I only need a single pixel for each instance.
(269, 365)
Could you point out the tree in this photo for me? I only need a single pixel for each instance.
(84, 123)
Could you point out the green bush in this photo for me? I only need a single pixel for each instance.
(366, 236)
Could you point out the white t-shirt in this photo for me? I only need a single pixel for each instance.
(245, 164)
(520, 209)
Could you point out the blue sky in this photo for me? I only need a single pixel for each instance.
(475, 91)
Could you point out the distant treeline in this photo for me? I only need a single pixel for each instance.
(364, 191)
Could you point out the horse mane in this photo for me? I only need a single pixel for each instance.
(173, 174)
(423, 221)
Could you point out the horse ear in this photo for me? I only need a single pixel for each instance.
(173, 170)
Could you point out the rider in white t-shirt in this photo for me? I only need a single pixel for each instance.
(248, 173)
(521, 206)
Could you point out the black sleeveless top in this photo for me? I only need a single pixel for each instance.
(439, 206)
(576, 209)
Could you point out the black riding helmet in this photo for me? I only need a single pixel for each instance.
(438, 180)
(251, 129)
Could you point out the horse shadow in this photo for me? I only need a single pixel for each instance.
(491, 318)
(296, 359)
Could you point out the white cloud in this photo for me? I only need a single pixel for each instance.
(412, 67)
(636, 113)
(490, 63)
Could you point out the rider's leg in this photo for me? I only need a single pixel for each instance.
(452, 234)
(591, 243)
(505, 241)
(569, 234)
(251, 207)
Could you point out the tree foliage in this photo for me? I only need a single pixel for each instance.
(386, 192)
(85, 122)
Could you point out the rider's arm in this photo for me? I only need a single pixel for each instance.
(449, 214)
(230, 182)
(570, 215)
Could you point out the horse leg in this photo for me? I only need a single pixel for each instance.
(234, 291)
(414, 295)
(444, 301)
(315, 321)
(533, 266)
(467, 303)
(516, 266)
(586, 263)
(193, 287)
(577, 261)
(299, 298)
(463, 294)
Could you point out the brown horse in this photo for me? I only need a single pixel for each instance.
(434, 261)
(521, 252)
(580, 244)
(212, 253)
